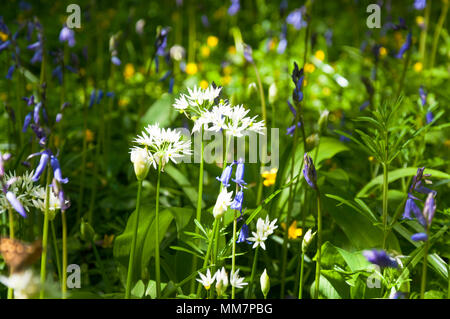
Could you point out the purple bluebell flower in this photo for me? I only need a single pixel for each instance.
(429, 208)
(4, 45)
(295, 18)
(57, 72)
(26, 122)
(248, 53)
(291, 129)
(57, 170)
(45, 156)
(234, 7)
(37, 108)
(226, 175)
(405, 47)
(420, 4)
(243, 235)
(411, 206)
(58, 117)
(99, 96)
(24, 6)
(15, 203)
(419, 237)
(283, 41)
(240, 168)
(161, 41)
(10, 72)
(430, 117)
(380, 258)
(92, 98)
(67, 35)
(309, 171)
(110, 94)
(205, 21)
(297, 78)
(397, 295)
(238, 200)
(115, 60)
(423, 96)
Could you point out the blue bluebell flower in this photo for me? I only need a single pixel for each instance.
(57, 170)
(37, 108)
(205, 21)
(57, 72)
(234, 7)
(309, 171)
(429, 208)
(171, 83)
(419, 237)
(295, 18)
(26, 122)
(10, 72)
(238, 200)
(329, 37)
(226, 175)
(243, 235)
(58, 117)
(4, 45)
(15, 203)
(283, 41)
(397, 295)
(92, 98)
(67, 35)
(248, 53)
(364, 105)
(429, 117)
(420, 4)
(405, 47)
(291, 129)
(297, 78)
(380, 258)
(240, 168)
(115, 60)
(423, 95)
(99, 96)
(411, 206)
(45, 156)
(161, 41)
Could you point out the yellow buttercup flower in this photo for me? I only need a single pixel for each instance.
(205, 51)
(293, 231)
(420, 20)
(191, 68)
(227, 70)
(129, 71)
(371, 158)
(124, 101)
(204, 84)
(418, 66)
(320, 55)
(269, 177)
(3, 36)
(309, 68)
(212, 41)
(382, 51)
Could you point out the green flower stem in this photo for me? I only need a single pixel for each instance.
(264, 116)
(192, 32)
(252, 276)
(199, 205)
(83, 154)
(319, 244)
(385, 202)
(45, 234)
(55, 248)
(233, 258)
(437, 31)
(133, 243)
(208, 253)
(157, 259)
(302, 264)
(11, 235)
(405, 69)
(423, 34)
(424, 266)
(64, 254)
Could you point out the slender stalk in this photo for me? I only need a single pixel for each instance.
(385, 202)
(302, 264)
(424, 266)
(199, 205)
(423, 34)
(319, 244)
(252, 276)
(11, 235)
(233, 258)
(45, 234)
(405, 69)
(133, 243)
(55, 248)
(437, 32)
(192, 32)
(157, 260)
(208, 252)
(64, 254)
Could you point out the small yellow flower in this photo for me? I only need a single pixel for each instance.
(191, 68)
(269, 177)
(204, 84)
(212, 41)
(225, 79)
(205, 51)
(382, 52)
(107, 241)
(326, 91)
(293, 231)
(227, 70)
(89, 135)
(420, 20)
(272, 44)
(123, 101)
(320, 55)
(3, 36)
(371, 158)
(232, 49)
(129, 71)
(418, 67)
(309, 68)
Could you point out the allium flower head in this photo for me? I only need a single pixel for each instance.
(236, 281)
(197, 101)
(206, 280)
(17, 192)
(223, 201)
(39, 201)
(163, 145)
(221, 281)
(264, 228)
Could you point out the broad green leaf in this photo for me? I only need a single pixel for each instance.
(160, 112)
(139, 289)
(184, 183)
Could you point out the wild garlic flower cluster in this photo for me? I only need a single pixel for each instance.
(264, 228)
(157, 146)
(201, 106)
(39, 201)
(221, 279)
(23, 189)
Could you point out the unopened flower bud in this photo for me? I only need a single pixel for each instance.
(265, 283)
(141, 162)
(307, 239)
(323, 121)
